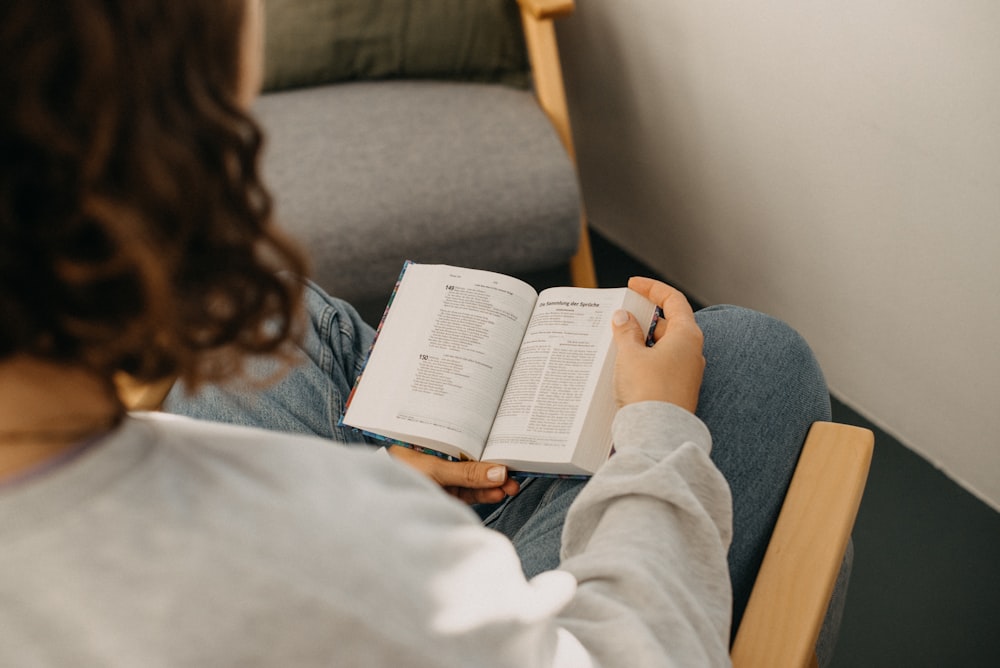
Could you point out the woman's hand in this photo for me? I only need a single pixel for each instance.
(671, 370)
(473, 482)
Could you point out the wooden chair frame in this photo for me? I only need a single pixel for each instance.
(538, 17)
(790, 598)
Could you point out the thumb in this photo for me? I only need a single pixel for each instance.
(626, 330)
(477, 475)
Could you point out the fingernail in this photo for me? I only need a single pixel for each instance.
(620, 317)
(496, 474)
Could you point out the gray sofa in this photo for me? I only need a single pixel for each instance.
(375, 163)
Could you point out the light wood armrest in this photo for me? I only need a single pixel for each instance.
(546, 72)
(796, 580)
(547, 9)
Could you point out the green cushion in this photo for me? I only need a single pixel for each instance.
(311, 42)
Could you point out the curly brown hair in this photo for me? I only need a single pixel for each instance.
(135, 232)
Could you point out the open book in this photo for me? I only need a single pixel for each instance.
(476, 365)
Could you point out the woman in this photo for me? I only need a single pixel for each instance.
(135, 236)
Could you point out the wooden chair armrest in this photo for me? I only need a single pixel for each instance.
(547, 9)
(546, 72)
(543, 52)
(790, 597)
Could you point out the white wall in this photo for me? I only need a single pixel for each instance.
(836, 164)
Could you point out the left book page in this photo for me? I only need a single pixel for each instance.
(447, 343)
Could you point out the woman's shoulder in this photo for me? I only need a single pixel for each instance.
(270, 457)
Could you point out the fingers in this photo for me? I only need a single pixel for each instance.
(670, 371)
(626, 330)
(677, 312)
(671, 300)
(473, 489)
(470, 496)
(471, 475)
(473, 482)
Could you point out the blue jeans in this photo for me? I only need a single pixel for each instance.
(761, 392)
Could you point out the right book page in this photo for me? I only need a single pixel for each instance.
(556, 413)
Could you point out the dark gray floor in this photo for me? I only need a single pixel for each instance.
(925, 590)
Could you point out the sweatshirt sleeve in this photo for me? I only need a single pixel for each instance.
(646, 541)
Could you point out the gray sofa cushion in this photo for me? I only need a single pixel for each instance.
(367, 175)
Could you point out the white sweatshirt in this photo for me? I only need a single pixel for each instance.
(182, 543)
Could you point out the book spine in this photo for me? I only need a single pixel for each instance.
(357, 380)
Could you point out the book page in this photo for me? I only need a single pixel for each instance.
(442, 358)
(561, 361)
